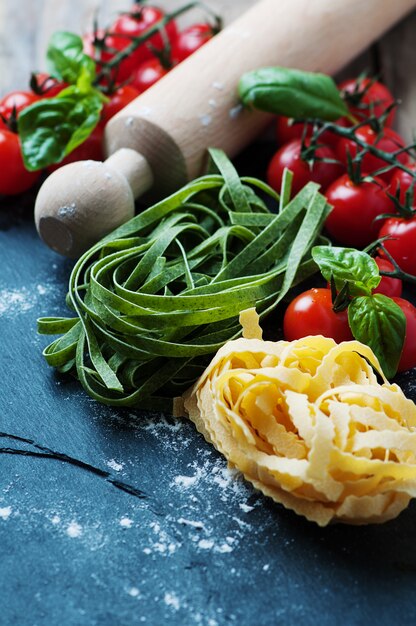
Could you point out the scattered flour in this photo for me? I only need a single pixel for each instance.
(125, 522)
(246, 508)
(15, 301)
(55, 520)
(114, 465)
(74, 530)
(171, 599)
(133, 592)
(5, 512)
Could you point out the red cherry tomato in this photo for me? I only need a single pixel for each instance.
(190, 40)
(135, 24)
(47, 86)
(408, 357)
(402, 181)
(118, 101)
(147, 74)
(14, 177)
(389, 141)
(402, 246)
(376, 99)
(92, 149)
(391, 287)
(351, 221)
(289, 156)
(16, 101)
(311, 314)
(287, 130)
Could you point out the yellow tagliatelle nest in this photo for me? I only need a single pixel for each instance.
(309, 425)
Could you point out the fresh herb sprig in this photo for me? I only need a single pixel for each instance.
(158, 296)
(374, 319)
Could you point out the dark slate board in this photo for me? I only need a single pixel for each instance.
(194, 544)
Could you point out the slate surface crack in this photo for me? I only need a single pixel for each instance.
(47, 453)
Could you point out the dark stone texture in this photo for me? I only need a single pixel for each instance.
(194, 544)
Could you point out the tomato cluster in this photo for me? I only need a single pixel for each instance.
(360, 201)
(141, 69)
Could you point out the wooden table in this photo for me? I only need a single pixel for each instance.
(114, 518)
(24, 35)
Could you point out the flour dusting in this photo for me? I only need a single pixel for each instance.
(74, 530)
(5, 512)
(172, 600)
(114, 465)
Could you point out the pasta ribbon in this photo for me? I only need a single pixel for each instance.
(309, 424)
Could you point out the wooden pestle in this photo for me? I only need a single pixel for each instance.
(159, 141)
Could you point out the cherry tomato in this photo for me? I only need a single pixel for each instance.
(391, 287)
(408, 357)
(118, 101)
(16, 101)
(147, 74)
(92, 149)
(376, 99)
(46, 86)
(135, 24)
(311, 314)
(402, 181)
(351, 221)
(287, 130)
(14, 177)
(402, 246)
(389, 141)
(190, 40)
(289, 156)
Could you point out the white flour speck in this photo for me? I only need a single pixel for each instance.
(206, 544)
(171, 599)
(125, 522)
(223, 548)
(147, 551)
(5, 512)
(41, 290)
(212, 103)
(266, 567)
(205, 119)
(69, 209)
(246, 508)
(133, 592)
(55, 520)
(186, 481)
(74, 530)
(218, 86)
(117, 467)
(235, 111)
(188, 522)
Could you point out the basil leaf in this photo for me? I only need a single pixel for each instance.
(348, 265)
(293, 93)
(381, 324)
(66, 58)
(51, 128)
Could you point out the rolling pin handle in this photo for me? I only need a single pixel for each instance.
(82, 202)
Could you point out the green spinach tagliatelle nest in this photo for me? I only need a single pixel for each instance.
(157, 297)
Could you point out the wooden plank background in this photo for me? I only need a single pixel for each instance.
(24, 35)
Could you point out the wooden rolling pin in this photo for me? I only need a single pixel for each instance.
(159, 141)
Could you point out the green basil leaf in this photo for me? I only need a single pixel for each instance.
(381, 324)
(293, 93)
(52, 128)
(348, 265)
(66, 58)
